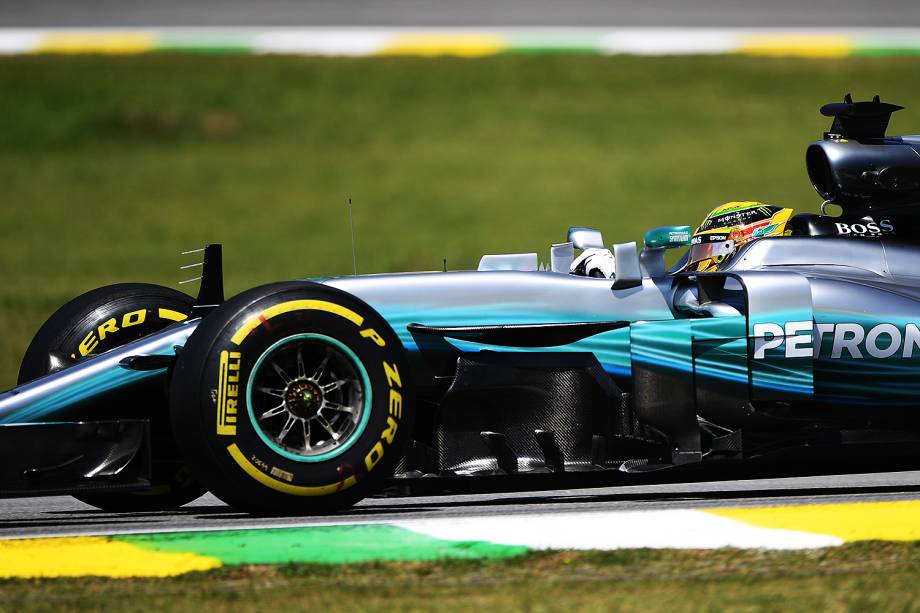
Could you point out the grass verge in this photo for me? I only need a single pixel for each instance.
(111, 165)
(855, 577)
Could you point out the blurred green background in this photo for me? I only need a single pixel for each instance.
(110, 166)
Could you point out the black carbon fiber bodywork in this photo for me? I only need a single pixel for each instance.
(73, 457)
(554, 412)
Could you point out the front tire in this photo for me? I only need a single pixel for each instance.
(102, 319)
(292, 398)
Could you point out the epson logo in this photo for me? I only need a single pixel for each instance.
(870, 228)
(803, 339)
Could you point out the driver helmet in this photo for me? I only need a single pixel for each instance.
(730, 226)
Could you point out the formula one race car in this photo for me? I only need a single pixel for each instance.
(306, 396)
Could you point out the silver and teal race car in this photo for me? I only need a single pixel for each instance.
(307, 396)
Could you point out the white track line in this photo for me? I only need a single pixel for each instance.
(678, 529)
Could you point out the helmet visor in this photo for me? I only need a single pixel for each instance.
(716, 250)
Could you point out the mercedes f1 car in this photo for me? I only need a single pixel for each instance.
(306, 396)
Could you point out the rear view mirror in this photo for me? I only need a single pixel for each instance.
(668, 237)
(586, 238)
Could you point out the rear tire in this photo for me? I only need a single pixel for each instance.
(102, 319)
(292, 398)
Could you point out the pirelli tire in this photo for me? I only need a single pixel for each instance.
(292, 398)
(102, 319)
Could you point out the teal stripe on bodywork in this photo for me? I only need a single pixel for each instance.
(79, 392)
(611, 349)
(777, 377)
(720, 352)
(663, 345)
(849, 380)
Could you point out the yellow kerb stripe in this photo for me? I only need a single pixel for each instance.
(93, 555)
(172, 315)
(859, 521)
(294, 305)
(281, 486)
(796, 45)
(96, 42)
(461, 45)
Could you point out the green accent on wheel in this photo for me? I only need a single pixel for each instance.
(321, 544)
(365, 415)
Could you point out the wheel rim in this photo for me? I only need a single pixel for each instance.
(309, 397)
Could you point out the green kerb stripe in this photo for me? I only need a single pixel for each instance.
(882, 51)
(563, 43)
(537, 49)
(193, 48)
(203, 43)
(322, 544)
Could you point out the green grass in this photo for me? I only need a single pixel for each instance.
(110, 166)
(858, 577)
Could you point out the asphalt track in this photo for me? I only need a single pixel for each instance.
(29, 517)
(468, 13)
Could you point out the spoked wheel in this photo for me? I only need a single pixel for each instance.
(308, 394)
(293, 398)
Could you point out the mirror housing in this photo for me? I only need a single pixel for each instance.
(657, 241)
(586, 238)
(668, 237)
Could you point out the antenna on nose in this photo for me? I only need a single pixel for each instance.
(354, 248)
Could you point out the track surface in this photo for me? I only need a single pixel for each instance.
(416, 13)
(66, 516)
